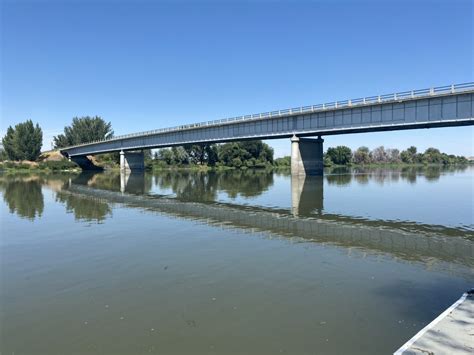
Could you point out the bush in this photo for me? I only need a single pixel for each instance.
(327, 161)
(283, 162)
(58, 165)
(23, 166)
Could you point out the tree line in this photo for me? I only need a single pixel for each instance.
(245, 154)
(342, 155)
(24, 141)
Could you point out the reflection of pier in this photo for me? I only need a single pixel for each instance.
(306, 194)
(306, 191)
(425, 243)
(132, 182)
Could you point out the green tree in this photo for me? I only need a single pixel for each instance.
(245, 154)
(83, 130)
(409, 156)
(340, 155)
(212, 154)
(283, 162)
(23, 142)
(180, 156)
(8, 143)
(165, 155)
(201, 153)
(326, 160)
(432, 156)
(361, 156)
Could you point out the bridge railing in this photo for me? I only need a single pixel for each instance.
(370, 100)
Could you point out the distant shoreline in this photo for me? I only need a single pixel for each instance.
(66, 166)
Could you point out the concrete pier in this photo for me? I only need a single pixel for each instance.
(307, 156)
(132, 160)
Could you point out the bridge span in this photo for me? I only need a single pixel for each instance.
(443, 106)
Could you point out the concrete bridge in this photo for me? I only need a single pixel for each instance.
(428, 108)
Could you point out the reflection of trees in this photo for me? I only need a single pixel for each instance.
(85, 208)
(203, 186)
(246, 183)
(189, 185)
(135, 182)
(344, 176)
(343, 179)
(410, 173)
(362, 179)
(104, 181)
(24, 197)
(432, 173)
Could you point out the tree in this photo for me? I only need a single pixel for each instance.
(409, 156)
(393, 155)
(379, 155)
(166, 155)
(432, 156)
(201, 153)
(23, 142)
(83, 130)
(248, 154)
(361, 156)
(283, 162)
(8, 143)
(340, 155)
(326, 160)
(180, 156)
(212, 154)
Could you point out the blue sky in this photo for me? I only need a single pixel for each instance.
(148, 64)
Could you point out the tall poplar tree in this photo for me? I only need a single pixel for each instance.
(83, 130)
(23, 142)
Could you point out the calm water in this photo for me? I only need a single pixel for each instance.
(231, 263)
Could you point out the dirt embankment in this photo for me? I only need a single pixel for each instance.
(52, 155)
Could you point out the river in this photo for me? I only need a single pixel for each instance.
(236, 262)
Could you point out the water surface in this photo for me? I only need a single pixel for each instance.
(240, 262)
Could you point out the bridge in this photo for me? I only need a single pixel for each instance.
(443, 106)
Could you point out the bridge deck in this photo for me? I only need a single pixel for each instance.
(437, 107)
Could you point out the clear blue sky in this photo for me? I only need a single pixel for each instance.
(144, 65)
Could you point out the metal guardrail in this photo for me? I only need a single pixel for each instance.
(395, 97)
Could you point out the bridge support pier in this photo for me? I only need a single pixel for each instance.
(132, 161)
(307, 156)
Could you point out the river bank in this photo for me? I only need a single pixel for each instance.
(67, 166)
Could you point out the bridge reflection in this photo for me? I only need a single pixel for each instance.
(90, 197)
(429, 244)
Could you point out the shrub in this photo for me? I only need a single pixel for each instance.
(58, 165)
